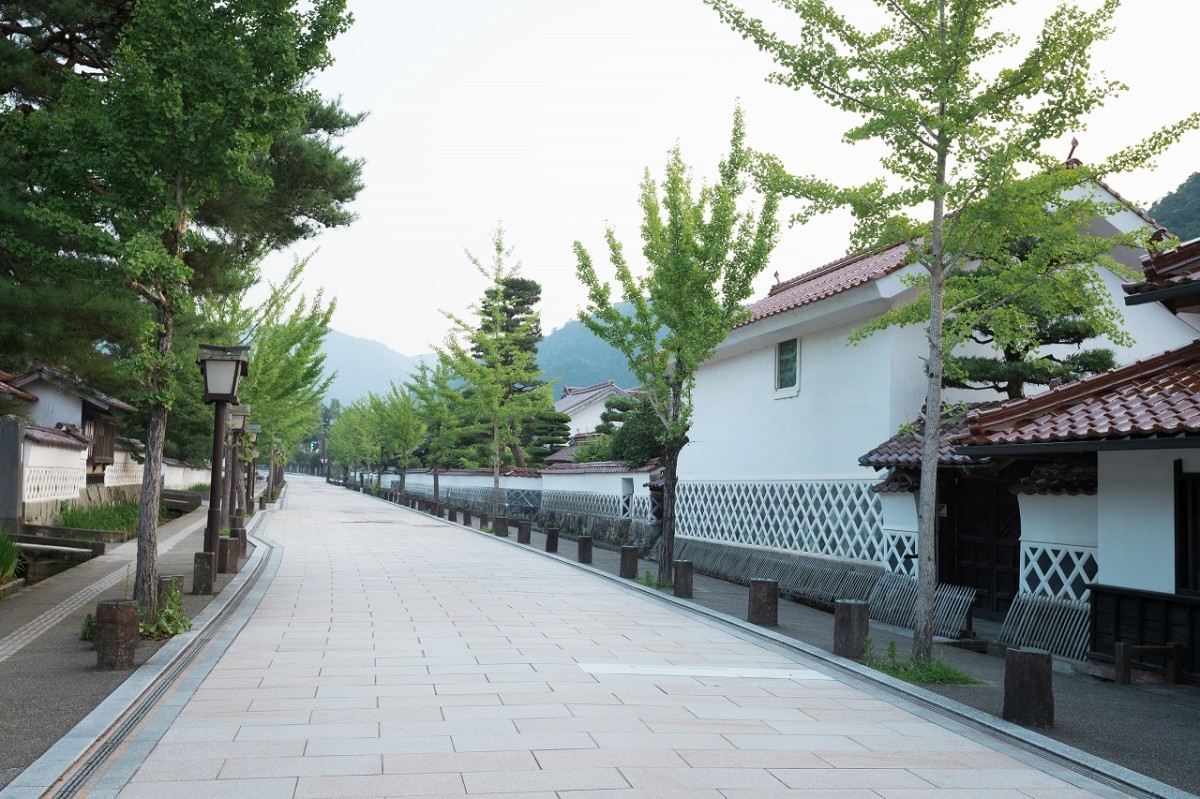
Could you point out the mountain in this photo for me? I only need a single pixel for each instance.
(363, 365)
(569, 356)
(1179, 211)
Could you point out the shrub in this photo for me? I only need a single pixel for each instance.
(172, 618)
(122, 516)
(200, 488)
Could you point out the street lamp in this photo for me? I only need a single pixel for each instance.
(272, 478)
(221, 367)
(252, 431)
(238, 414)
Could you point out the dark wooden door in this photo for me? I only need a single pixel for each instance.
(979, 541)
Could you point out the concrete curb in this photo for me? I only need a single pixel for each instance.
(50, 768)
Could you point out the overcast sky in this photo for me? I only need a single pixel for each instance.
(542, 115)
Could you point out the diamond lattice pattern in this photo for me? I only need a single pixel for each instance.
(841, 519)
(1058, 572)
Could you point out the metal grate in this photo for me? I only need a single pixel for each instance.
(1055, 624)
(894, 601)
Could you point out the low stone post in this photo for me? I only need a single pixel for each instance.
(500, 526)
(629, 562)
(585, 548)
(452, 513)
(851, 626)
(466, 517)
(483, 520)
(262, 501)
(763, 607)
(227, 555)
(202, 573)
(552, 539)
(524, 528)
(439, 510)
(1029, 687)
(117, 634)
(166, 581)
(683, 579)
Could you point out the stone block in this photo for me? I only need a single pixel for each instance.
(763, 607)
(851, 626)
(203, 573)
(683, 579)
(585, 548)
(629, 562)
(117, 634)
(1028, 687)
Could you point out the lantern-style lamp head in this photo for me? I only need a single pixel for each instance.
(238, 415)
(221, 367)
(252, 430)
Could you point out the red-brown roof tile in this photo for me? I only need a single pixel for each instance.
(13, 391)
(51, 437)
(904, 449)
(602, 467)
(828, 280)
(1158, 396)
(1178, 267)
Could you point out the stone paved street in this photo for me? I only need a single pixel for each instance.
(394, 655)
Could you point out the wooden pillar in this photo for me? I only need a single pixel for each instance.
(585, 548)
(1028, 687)
(683, 579)
(851, 626)
(629, 562)
(763, 606)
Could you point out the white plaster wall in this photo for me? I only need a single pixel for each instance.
(1136, 517)
(899, 512)
(54, 405)
(1059, 519)
(597, 483)
(54, 457)
(585, 419)
(844, 408)
(470, 481)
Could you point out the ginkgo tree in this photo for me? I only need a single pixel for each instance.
(703, 253)
(963, 123)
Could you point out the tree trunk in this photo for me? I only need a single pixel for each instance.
(666, 557)
(145, 584)
(437, 497)
(922, 648)
(496, 470)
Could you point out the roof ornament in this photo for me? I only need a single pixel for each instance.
(1072, 162)
(776, 277)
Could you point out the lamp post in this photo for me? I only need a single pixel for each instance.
(221, 367)
(238, 415)
(252, 430)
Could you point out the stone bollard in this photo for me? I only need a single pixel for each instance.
(585, 548)
(683, 579)
(117, 633)
(243, 541)
(629, 562)
(439, 510)
(552, 539)
(763, 608)
(466, 518)
(452, 513)
(202, 573)
(262, 502)
(167, 581)
(524, 528)
(500, 526)
(227, 555)
(1029, 687)
(483, 520)
(851, 626)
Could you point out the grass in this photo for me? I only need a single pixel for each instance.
(200, 488)
(122, 516)
(920, 672)
(10, 556)
(650, 581)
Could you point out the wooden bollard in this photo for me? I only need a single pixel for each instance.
(117, 634)
(1029, 687)
(552, 539)
(483, 520)
(500, 526)
(629, 562)
(452, 513)
(202, 573)
(763, 606)
(683, 579)
(851, 626)
(262, 501)
(466, 517)
(585, 548)
(524, 528)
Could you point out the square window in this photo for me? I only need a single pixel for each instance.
(787, 364)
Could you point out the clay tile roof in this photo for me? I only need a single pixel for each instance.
(73, 385)
(1157, 396)
(50, 437)
(575, 396)
(13, 391)
(602, 467)
(904, 449)
(1178, 267)
(825, 281)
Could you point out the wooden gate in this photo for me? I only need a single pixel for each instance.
(979, 541)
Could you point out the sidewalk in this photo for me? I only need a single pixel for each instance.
(385, 653)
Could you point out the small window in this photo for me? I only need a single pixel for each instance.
(787, 364)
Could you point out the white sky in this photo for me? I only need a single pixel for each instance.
(543, 114)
